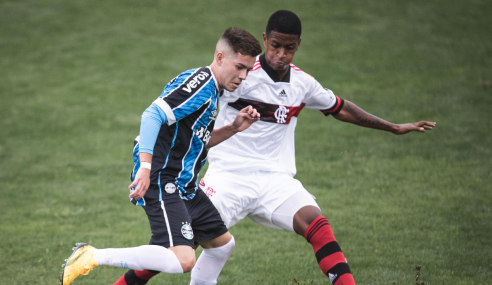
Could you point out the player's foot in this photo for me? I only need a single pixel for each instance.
(81, 262)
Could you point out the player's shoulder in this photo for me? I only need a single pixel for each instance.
(191, 81)
(299, 72)
(301, 78)
(196, 74)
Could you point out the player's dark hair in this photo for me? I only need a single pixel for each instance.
(285, 22)
(241, 41)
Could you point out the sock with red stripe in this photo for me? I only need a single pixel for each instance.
(136, 277)
(328, 253)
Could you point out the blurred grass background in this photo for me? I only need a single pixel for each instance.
(75, 77)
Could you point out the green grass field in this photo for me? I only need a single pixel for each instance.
(75, 77)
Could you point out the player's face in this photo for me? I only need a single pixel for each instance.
(234, 69)
(280, 49)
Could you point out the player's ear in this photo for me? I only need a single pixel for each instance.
(265, 40)
(220, 57)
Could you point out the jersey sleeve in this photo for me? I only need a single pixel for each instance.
(186, 93)
(323, 99)
(150, 124)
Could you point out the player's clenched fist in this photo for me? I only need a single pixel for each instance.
(142, 182)
(245, 118)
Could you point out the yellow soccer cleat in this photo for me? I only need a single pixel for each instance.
(81, 262)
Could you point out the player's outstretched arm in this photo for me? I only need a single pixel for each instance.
(351, 113)
(244, 119)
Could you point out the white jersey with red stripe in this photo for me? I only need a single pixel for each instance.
(268, 145)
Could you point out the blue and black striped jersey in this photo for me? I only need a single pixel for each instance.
(190, 104)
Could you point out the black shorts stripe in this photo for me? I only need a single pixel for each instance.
(328, 249)
(339, 270)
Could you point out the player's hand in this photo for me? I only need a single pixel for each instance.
(414, 127)
(142, 181)
(245, 118)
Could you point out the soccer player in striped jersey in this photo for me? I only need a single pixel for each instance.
(252, 173)
(171, 149)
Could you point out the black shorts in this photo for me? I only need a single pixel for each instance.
(175, 221)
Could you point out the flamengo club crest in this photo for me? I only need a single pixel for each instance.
(187, 231)
(281, 114)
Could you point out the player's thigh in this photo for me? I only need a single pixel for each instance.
(284, 215)
(232, 194)
(170, 222)
(281, 198)
(206, 220)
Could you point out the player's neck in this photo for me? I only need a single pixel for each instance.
(215, 68)
(277, 75)
(281, 74)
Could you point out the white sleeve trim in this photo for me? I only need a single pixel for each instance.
(171, 119)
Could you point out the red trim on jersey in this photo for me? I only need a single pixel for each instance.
(335, 109)
(293, 112)
(295, 67)
(256, 68)
(298, 69)
(257, 65)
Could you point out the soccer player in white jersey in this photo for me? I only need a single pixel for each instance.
(175, 132)
(252, 174)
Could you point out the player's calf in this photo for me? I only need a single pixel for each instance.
(328, 253)
(211, 262)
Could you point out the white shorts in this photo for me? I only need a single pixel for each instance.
(268, 198)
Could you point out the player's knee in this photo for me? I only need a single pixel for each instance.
(226, 249)
(304, 217)
(187, 264)
(185, 255)
(231, 244)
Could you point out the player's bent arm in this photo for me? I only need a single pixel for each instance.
(244, 119)
(220, 135)
(351, 113)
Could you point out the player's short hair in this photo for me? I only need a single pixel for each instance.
(285, 22)
(240, 41)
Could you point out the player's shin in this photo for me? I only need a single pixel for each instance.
(210, 263)
(328, 253)
(150, 257)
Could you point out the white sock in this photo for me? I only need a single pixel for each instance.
(150, 257)
(210, 263)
